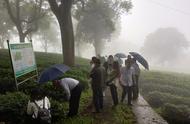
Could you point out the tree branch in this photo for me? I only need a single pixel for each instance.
(54, 7)
(9, 10)
(18, 10)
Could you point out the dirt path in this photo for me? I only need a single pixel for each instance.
(121, 114)
(106, 116)
(145, 114)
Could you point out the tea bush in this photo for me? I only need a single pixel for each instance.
(13, 107)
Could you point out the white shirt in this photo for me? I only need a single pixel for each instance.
(127, 76)
(136, 68)
(32, 109)
(68, 84)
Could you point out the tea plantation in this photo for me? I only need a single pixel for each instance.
(13, 103)
(168, 93)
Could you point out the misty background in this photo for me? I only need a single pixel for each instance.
(157, 29)
(146, 17)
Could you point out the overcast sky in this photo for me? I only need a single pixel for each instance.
(148, 15)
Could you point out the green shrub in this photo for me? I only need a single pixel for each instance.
(176, 114)
(158, 99)
(13, 107)
(58, 110)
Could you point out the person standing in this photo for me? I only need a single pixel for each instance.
(110, 63)
(113, 80)
(137, 74)
(98, 78)
(127, 81)
(73, 89)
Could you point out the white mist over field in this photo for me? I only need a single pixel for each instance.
(146, 17)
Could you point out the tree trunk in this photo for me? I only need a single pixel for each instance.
(78, 48)
(45, 46)
(2, 44)
(21, 35)
(67, 37)
(63, 14)
(98, 46)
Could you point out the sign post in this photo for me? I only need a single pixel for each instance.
(12, 66)
(22, 60)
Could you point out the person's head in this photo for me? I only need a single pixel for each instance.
(128, 63)
(93, 59)
(110, 59)
(56, 83)
(36, 94)
(97, 62)
(129, 57)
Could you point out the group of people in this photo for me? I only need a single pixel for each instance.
(104, 73)
(112, 74)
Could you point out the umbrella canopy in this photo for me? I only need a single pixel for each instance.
(140, 59)
(53, 73)
(120, 55)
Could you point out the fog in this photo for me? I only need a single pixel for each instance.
(146, 17)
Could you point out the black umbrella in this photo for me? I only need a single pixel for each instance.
(53, 73)
(140, 59)
(120, 55)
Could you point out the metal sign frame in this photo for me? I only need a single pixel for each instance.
(15, 77)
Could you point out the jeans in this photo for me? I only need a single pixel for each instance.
(98, 98)
(114, 94)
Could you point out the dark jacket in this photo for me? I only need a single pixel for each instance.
(98, 75)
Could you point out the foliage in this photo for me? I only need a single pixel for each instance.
(5, 25)
(101, 16)
(157, 44)
(180, 113)
(13, 107)
(157, 99)
(123, 115)
(163, 90)
(57, 97)
(26, 15)
(47, 33)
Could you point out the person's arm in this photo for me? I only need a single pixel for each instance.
(112, 78)
(93, 74)
(48, 103)
(29, 108)
(133, 76)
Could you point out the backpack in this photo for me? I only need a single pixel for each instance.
(44, 114)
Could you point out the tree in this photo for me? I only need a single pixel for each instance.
(62, 11)
(97, 21)
(25, 15)
(47, 33)
(165, 45)
(5, 25)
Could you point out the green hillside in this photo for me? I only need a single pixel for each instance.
(13, 104)
(168, 93)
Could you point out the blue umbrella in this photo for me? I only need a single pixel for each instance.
(120, 55)
(53, 73)
(140, 59)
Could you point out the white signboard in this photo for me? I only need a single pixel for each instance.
(22, 56)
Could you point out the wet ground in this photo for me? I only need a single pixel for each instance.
(145, 114)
